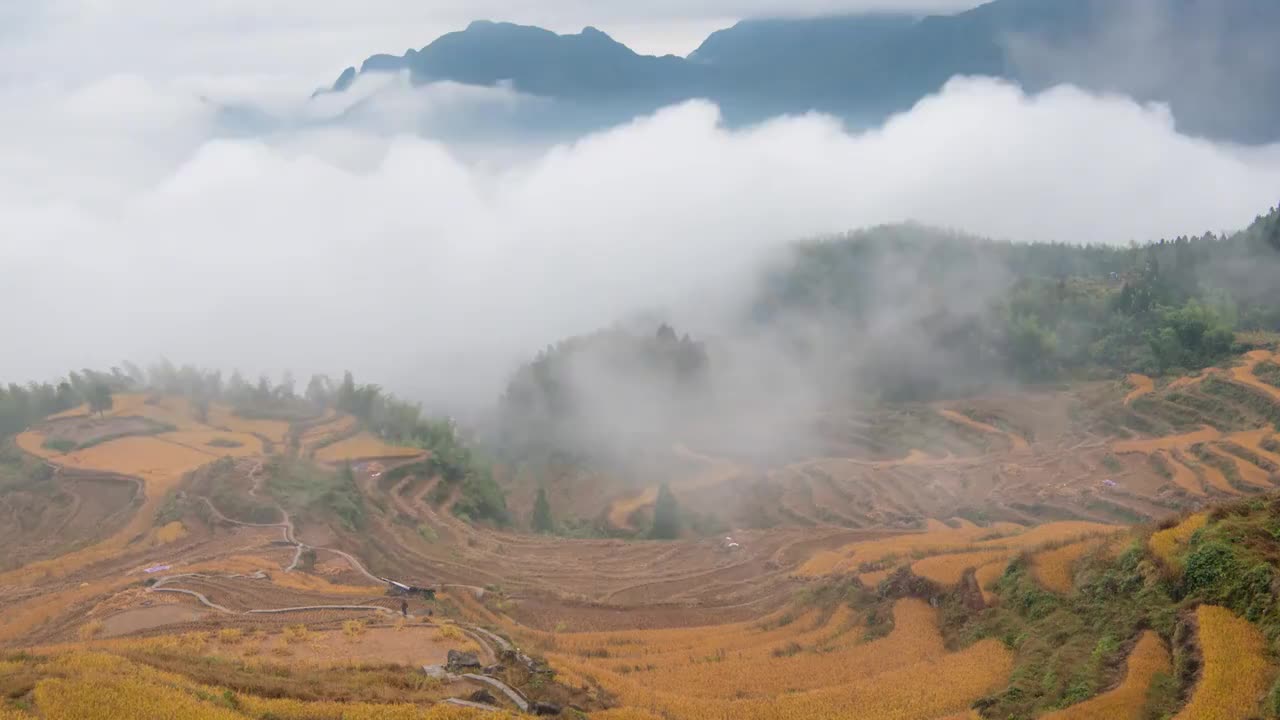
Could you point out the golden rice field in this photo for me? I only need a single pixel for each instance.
(1236, 671)
(948, 569)
(809, 668)
(1053, 568)
(363, 446)
(965, 542)
(1127, 701)
(933, 540)
(84, 685)
(1169, 543)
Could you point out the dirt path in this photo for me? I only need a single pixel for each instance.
(1142, 385)
(1017, 442)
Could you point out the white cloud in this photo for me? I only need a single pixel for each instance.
(129, 231)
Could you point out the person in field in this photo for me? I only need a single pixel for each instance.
(404, 608)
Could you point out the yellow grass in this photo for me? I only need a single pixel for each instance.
(362, 446)
(1127, 701)
(1052, 568)
(1169, 543)
(86, 685)
(947, 570)
(1236, 671)
(172, 532)
(1141, 386)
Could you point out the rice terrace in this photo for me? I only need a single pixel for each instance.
(170, 552)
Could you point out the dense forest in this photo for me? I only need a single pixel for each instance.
(928, 313)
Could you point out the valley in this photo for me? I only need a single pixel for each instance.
(179, 536)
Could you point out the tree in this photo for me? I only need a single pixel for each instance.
(100, 399)
(542, 521)
(318, 391)
(666, 516)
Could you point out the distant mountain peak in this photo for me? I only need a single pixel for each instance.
(1203, 56)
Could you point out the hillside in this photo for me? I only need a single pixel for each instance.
(1196, 55)
(241, 583)
(916, 475)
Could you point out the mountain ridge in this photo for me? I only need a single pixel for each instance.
(1198, 56)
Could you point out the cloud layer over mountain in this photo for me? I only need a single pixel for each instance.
(134, 226)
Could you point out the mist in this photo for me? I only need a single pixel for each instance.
(376, 237)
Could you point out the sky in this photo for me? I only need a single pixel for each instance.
(133, 225)
(313, 40)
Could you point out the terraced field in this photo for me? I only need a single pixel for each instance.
(155, 524)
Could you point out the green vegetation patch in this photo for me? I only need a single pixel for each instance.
(307, 490)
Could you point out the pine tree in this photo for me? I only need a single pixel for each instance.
(666, 516)
(542, 521)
